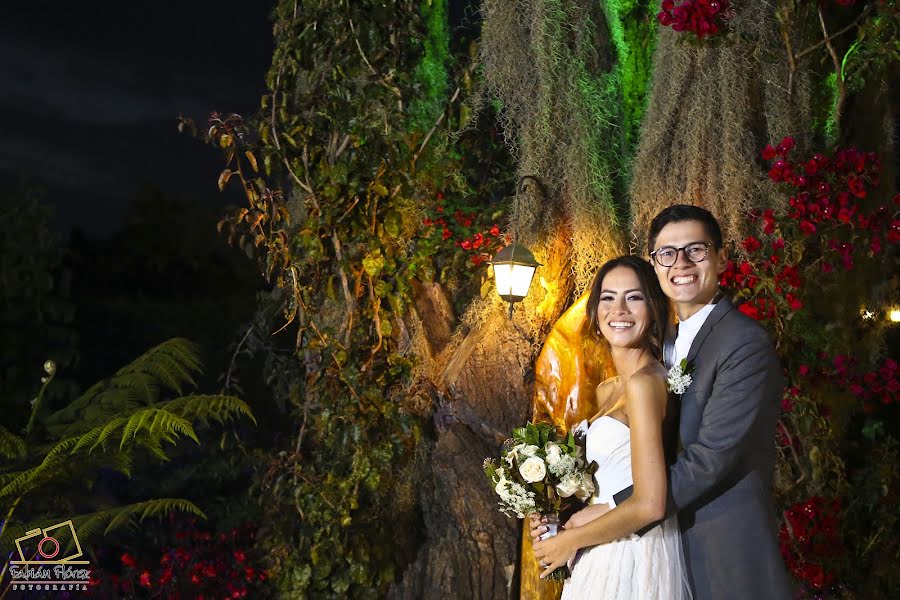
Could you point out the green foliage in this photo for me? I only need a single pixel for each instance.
(165, 368)
(35, 304)
(632, 27)
(431, 73)
(115, 425)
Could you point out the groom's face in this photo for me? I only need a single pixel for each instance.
(690, 285)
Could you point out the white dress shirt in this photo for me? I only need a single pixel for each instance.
(687, 331)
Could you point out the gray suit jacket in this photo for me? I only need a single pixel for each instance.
(721, 483)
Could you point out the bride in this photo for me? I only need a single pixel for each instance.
(632, 440)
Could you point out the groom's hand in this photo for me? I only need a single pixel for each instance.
(537, 526)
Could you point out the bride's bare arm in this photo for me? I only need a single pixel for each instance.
(645, 404)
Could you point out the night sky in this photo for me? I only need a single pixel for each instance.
(90, 93)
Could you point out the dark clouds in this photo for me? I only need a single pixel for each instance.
(90, 92)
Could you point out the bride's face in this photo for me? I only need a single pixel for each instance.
(623, 313)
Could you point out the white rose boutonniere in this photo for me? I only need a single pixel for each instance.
(679, 378)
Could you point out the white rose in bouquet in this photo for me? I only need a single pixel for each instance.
(585, 487)
(529, 450)
(568, 486)
(554, 454)
(533, 469)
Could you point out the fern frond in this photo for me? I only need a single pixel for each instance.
(204, 407)
(90, 526)
(11, 445)
(170, 365)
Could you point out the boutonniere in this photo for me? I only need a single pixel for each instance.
(679, 378)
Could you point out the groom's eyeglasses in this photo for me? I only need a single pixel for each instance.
(667, 256)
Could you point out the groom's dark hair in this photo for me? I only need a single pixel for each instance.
(684, 212)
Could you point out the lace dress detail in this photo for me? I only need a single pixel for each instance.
(648, 567)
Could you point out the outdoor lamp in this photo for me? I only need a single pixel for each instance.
(514, 268)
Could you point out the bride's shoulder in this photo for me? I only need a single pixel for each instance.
(651, 377)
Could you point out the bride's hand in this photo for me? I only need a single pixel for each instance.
(537, 526)
(586, 515)
(554, 552)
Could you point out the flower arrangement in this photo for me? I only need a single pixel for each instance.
(540, 472)
(831, 225)
(199, 564)
(478, 240)
(810, 530)
(679, 378)
(702, 17)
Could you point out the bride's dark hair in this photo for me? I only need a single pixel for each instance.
(657, 303)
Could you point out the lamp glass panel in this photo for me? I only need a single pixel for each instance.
(513, 280)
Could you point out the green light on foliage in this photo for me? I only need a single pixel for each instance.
(431, 74)
(831, 121)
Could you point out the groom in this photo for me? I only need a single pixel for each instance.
(721, 482)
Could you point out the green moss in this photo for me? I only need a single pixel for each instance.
(431, 74)
(633, 32)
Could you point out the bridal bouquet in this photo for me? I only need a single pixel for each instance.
(540, 472)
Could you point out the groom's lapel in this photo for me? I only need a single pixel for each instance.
(722, 307)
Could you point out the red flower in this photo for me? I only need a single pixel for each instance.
(807, 227)
(128, 560)
(751, 244)
(786, 145)
(768, 153)
(750, 310)
(426, 221)
(857, 188)
(446, 233)
(495, 231)
(794, 302)
(777, 244)
(144, 579)
(769, 220)
(467, 245)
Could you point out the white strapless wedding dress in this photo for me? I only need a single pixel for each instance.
(649, 567)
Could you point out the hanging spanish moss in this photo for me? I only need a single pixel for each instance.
(548, 63)
(712, 108)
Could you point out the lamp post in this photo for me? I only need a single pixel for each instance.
(514, 265)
